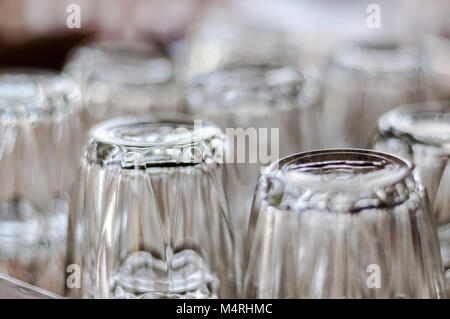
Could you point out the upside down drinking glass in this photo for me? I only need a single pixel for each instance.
(266, 110)
(342, 223)
(149, 217)
(421, 133)
(365, 80)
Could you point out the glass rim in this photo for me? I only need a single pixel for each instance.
(378, 178)
(410, 121)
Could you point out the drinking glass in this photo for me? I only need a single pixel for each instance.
(11, 288)
(341, 223)
(124, 78)
(421, 133)
(40, 142)
(149, 217)
(364, 80)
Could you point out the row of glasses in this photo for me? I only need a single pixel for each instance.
(40, 141)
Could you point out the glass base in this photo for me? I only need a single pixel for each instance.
(186, 277)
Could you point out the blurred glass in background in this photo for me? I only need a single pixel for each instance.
(421, 133)
(40, 134)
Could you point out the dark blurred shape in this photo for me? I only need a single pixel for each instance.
(45, 52)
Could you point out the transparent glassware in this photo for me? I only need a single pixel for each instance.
(421, 133)
(11, 288)
(221, 38)
(364, 80)
(266, 110)
(124, 78)
(341, 223)
(149, 217)
(40, 142)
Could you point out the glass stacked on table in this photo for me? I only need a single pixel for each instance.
(150, 216)
(341, 223)
(421, 133)
(124, 78)
(40, 141)
(364, 80)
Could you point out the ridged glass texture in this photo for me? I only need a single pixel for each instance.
(40, 142)
(342, 223)
(122, 78)
(149, 217)
(421, 133)
(363, 81)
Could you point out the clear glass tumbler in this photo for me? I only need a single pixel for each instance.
(40, 143)
(149, 217)
(124, 78)
(258, 98)
(421, 133)
(341, 223)
(364, 80)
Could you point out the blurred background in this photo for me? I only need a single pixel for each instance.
(35, 32)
